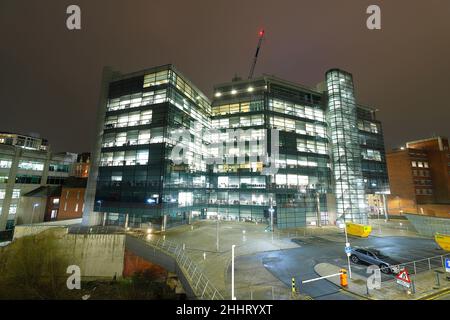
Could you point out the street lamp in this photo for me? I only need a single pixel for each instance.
(217, 232)
(32, 215)
(232, 272)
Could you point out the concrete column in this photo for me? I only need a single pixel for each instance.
(17, 152)
(126, 220)
(91, 217)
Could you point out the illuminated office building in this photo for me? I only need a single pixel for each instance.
(329, 157)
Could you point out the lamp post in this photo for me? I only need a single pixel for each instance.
(32, 214)
(347, 245)
(232, 272)
(217, 233)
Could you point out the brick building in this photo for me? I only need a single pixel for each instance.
(72, 198)
(419, 176)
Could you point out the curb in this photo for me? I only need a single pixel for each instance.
(433, 295)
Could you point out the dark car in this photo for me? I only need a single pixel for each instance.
(375, 257)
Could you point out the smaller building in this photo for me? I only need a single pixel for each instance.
(72, 199)
(419, 176)
(40, 204)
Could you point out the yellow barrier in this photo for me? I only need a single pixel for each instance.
(358, 230)
(443, 241)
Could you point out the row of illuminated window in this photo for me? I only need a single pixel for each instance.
(248, 106)
(242, 167)
(368, 126)
(137, 99)
(165, 76)
(296, 110)
(124, 158)
(241, 182)
(156, 78)
(133, 137)
(5, 164)
(419, 164)
(292, 180)
(31, 165)
(237, 122)
(300, 127)
(15, 194)
(251, 149)
(369, 154)
(129, 119)
(424, 191)
(238, 135)
(186, 105)
(293, 161)
(304, 145)
(191, 93)
(241, 198)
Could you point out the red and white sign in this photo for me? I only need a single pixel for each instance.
(403, 278)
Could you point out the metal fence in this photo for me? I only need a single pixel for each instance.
(200, 284)
(417, 266)
(429, 226)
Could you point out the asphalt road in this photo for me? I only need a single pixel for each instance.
(300, 262)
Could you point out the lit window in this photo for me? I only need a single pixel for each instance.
(414, 163)
(218, 94)
(76, 207)
(16, 194)
(55, 201)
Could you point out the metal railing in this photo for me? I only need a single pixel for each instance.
(200, 284)
(427, 264)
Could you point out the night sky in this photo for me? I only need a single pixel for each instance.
(50, 76)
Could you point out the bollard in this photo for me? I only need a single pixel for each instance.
(438, 282)
(343, 278)
(413, 287)
(293, 285)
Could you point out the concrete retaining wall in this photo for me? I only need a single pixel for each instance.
(97, 255)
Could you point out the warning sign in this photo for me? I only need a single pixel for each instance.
(403, 278)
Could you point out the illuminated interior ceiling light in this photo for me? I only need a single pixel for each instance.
(233, 91)
(250, 89)
(218, 94)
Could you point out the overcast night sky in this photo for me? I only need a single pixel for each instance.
(50, 76)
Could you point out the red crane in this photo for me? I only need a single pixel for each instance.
(261, 37)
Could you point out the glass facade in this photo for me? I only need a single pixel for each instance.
(137, 180)
(327, 152)
(346, 150)
(298, 189)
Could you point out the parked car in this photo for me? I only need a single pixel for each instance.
(375, 257)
